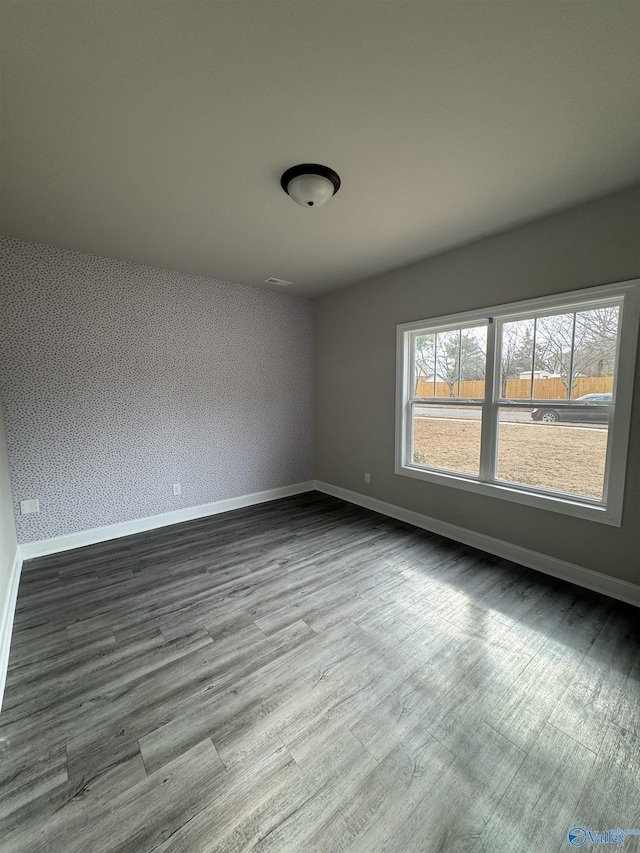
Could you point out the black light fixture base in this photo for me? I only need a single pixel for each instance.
(310, 169)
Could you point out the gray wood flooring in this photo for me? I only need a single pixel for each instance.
(308, 676)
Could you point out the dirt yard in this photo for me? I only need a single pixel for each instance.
(567, 458)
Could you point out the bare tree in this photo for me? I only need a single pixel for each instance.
(595, 347)
(424, 359)
(460, 356)
(517, 350)
(452, 356)
(554, 341)
(583, 344)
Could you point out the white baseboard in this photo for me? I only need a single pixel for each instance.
(619, 589)
(6, 625)
(42, 547)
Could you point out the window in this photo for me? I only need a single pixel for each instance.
(529, 402)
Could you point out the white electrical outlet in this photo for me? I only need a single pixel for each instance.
(367, 478)
(29, 506)
(177, 489)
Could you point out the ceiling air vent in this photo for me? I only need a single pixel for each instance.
(279, 281)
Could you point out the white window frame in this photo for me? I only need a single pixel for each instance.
(609, 509)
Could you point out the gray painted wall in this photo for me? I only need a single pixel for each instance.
(119, 380)
(8, 541)
(596, 243)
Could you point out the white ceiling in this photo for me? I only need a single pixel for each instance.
(157, 131)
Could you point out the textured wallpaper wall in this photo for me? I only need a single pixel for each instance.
(119, 380)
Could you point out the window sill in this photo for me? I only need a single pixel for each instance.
(510, 492)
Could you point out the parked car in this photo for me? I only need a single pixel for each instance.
(590, 407)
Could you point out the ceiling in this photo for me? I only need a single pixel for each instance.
(157, 131)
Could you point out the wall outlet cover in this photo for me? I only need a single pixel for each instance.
(29, 506)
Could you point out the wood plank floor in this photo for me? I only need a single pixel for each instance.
(309, 676)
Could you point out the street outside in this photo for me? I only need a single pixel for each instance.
(517, 416)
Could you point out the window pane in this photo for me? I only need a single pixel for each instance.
(516, 360)
(450, 364)
(574, 351)
(447, 437)
(473, 361)
(595, 351)
(424, 365)
(552, 364)
(562, 449)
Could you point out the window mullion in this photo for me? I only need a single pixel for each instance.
(409, 433)
(408, 405)
(489, 431)
(571, 360)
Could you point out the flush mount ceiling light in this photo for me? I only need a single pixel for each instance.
(310, 184)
